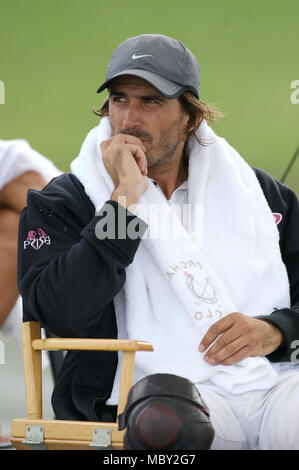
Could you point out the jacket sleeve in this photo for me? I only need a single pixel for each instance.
(283, 201)
(66, 274)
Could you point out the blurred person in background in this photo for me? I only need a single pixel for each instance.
(21, 168)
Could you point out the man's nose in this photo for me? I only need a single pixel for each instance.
(132, 116)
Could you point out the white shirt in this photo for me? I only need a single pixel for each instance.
(179, 197)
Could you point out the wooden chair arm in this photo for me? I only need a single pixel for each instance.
(90, 344)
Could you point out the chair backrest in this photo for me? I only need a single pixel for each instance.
(36, 433)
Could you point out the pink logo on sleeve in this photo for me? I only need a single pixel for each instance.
(277, 217)
(37, 240)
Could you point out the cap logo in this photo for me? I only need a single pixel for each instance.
(134, 56)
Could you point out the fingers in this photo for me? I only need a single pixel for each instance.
(122, 139)
(237, 357)
(227, 353)
(139, 156)
(231, 339)
(125, 144)
(215, 330)
(224, 343)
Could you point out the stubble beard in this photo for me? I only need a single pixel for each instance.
(163, 152)
(160, 152)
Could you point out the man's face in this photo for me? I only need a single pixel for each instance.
(136, 108)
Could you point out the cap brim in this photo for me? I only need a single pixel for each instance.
(165, 87)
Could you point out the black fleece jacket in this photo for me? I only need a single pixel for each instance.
(68, 279)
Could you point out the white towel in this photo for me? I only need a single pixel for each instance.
(176, 288)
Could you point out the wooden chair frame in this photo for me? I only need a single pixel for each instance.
(36, 433)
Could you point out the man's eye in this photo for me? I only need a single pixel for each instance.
(150, 100)
(118, 99)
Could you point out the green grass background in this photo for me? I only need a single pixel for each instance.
(54, 54)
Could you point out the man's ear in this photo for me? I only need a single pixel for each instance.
(197, 121)
(192, 126)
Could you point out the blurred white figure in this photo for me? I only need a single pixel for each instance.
(21, 168)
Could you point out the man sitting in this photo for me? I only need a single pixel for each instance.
(214, 286)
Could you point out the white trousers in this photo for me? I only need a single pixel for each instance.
(12, 325)
(256, 420)
(12, 328)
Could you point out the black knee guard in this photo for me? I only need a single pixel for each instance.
(166, 412)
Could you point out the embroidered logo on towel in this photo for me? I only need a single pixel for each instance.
(37, 240)
(203, 291)
(277, 217)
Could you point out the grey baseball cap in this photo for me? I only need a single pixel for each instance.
(163, 62)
